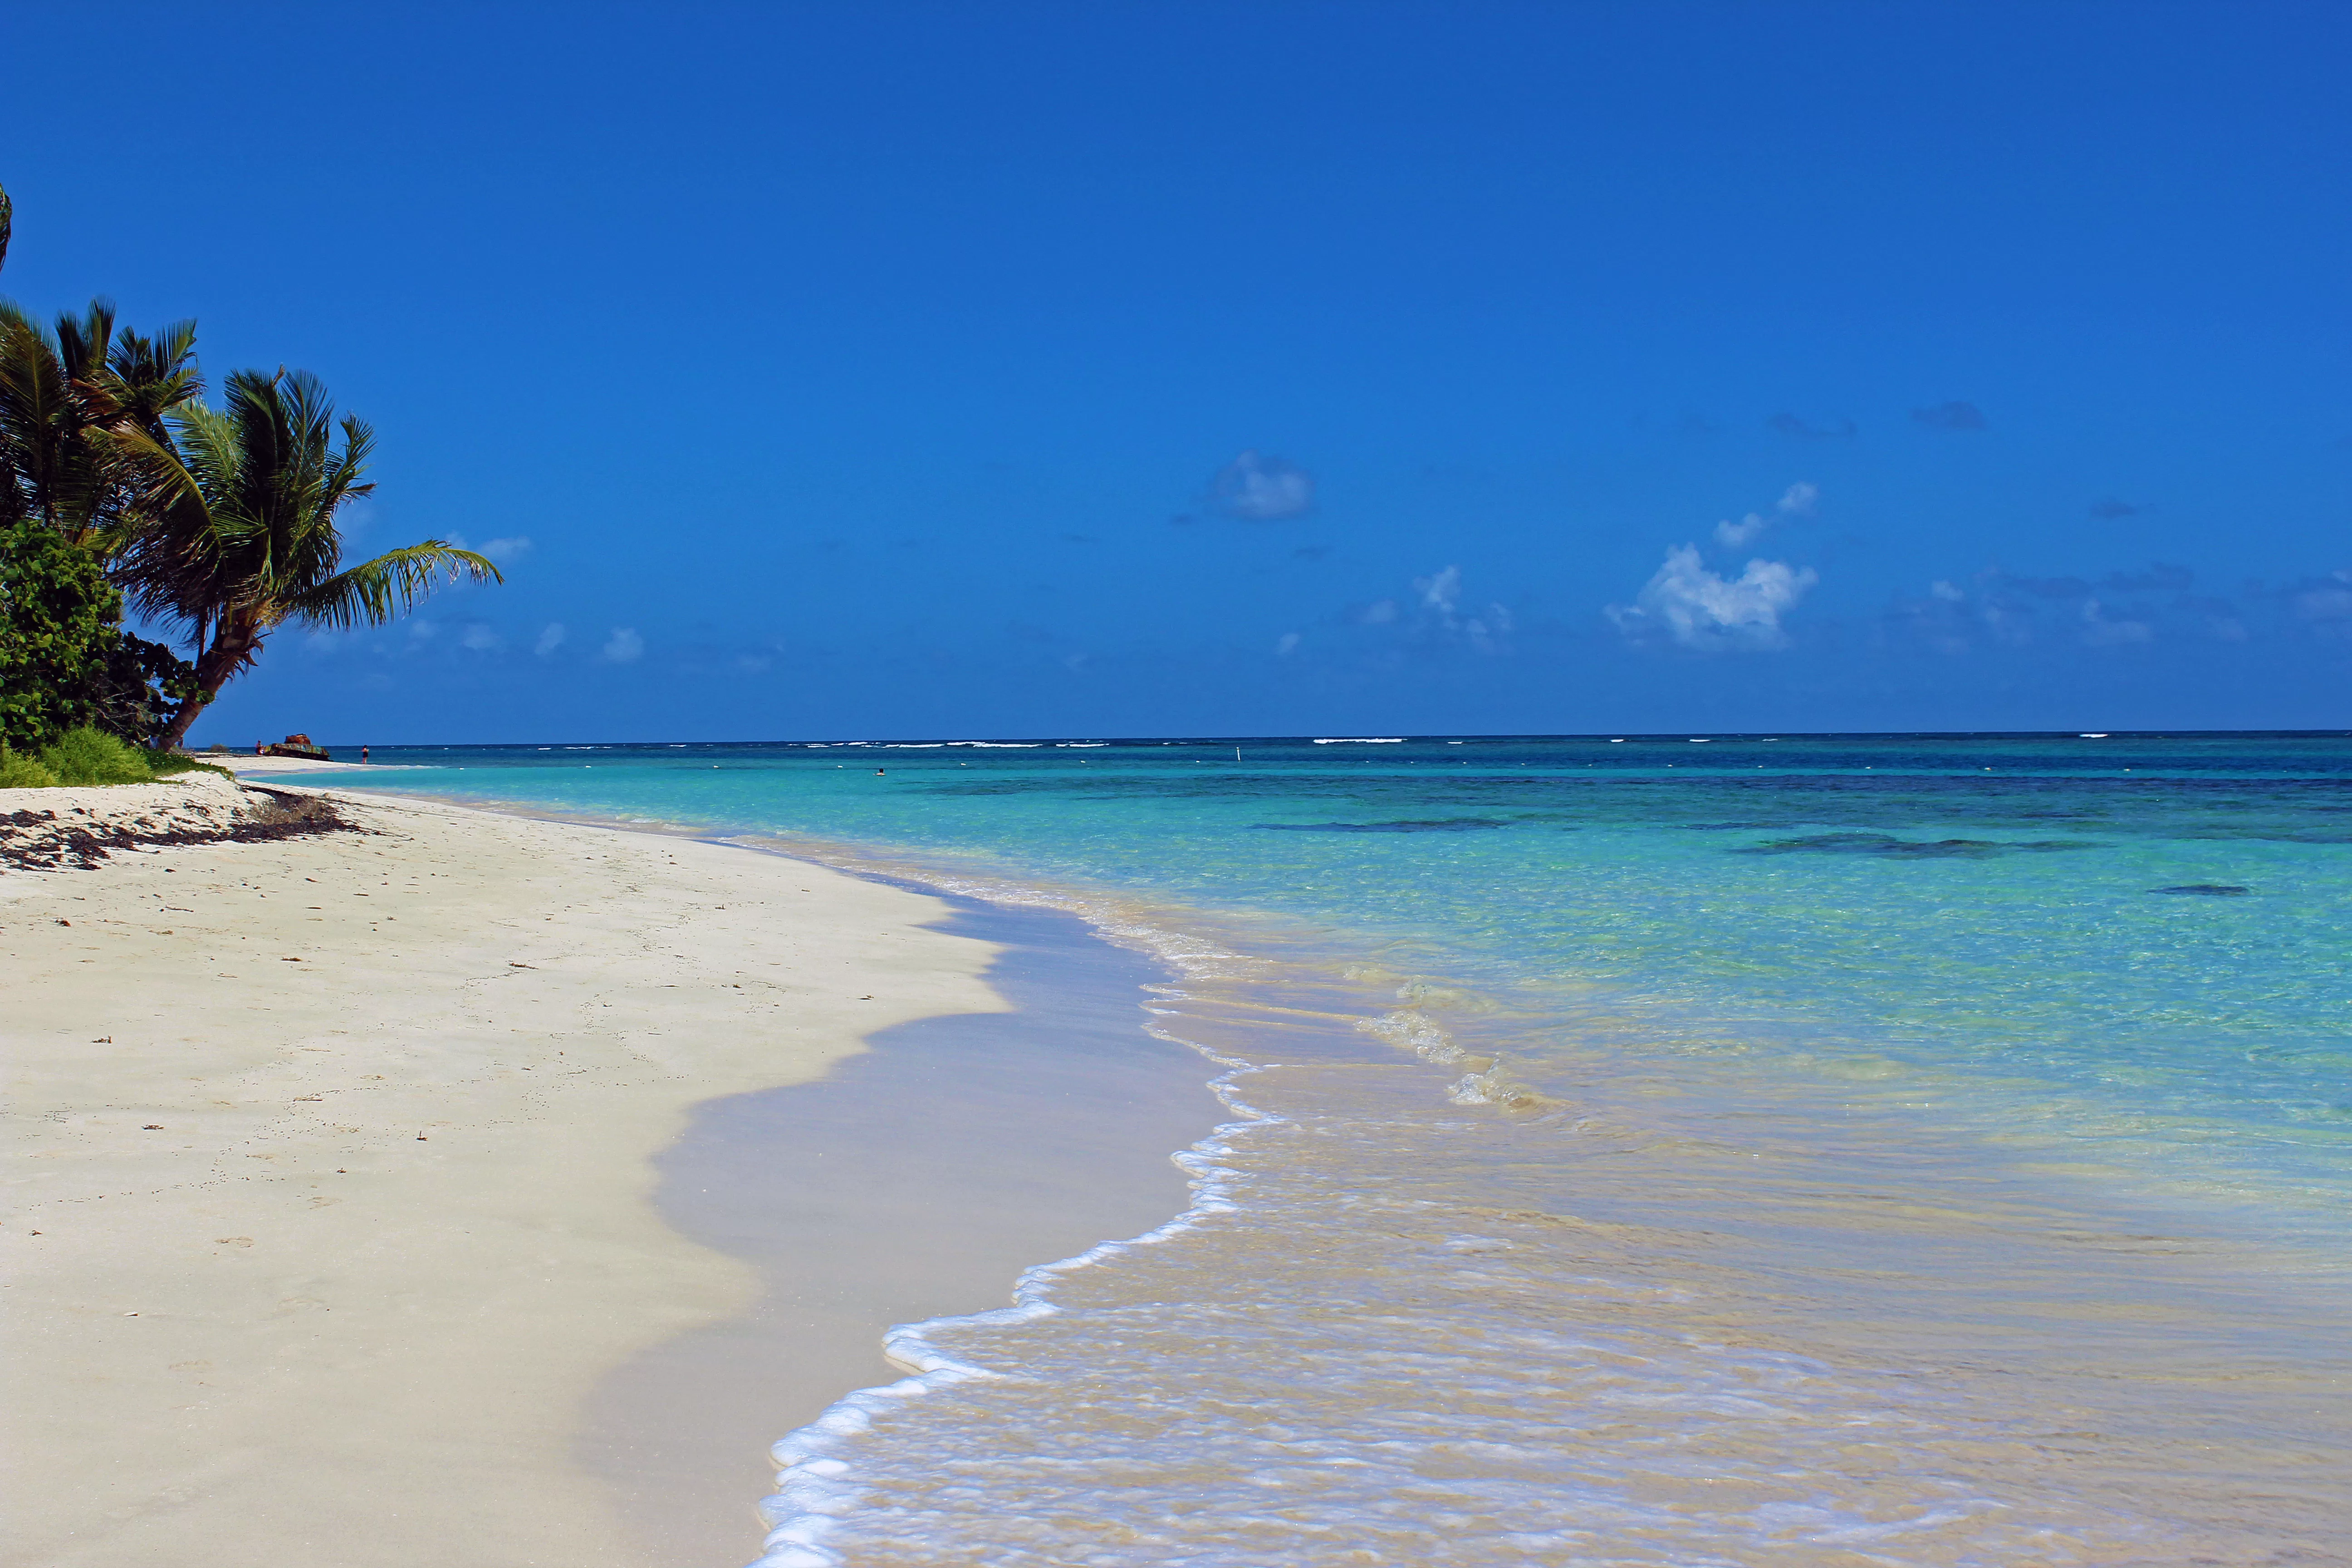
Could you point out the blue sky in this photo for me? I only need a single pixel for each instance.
(868, 370)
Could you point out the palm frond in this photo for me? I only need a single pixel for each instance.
(169, 553)
(83, 341)
(41, 422)
(375, 591)
(149, 377)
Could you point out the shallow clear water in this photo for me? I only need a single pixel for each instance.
(1881, 1149)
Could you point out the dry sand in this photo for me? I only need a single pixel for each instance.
(331, 1197)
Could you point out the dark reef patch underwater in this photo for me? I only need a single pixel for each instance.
(1440, 825)
(1887, 845)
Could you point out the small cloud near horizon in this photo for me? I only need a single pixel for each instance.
(1441, 602)
(623, 646)
(1702, 609)
(1954, 415)
(549, 640)
(1258, 486)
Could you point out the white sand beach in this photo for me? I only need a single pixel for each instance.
(330, 1193)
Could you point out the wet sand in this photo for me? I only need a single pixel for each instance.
(915, 1180)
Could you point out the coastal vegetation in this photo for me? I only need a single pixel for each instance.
(124, 495)
(89, 755)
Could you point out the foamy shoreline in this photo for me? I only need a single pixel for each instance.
(338, 1152)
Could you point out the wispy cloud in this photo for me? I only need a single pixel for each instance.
(2099, 631)
(1796, 501)
(2005, 607)
(1287, 643)
(481, 638)
(1703, 610)
(623, 646)
(2111, 510)
(549, 639)
(510, 549)
(1441, 612)
(1961, 417)
(2327, 600)
(1259, 487)
(1789, 425)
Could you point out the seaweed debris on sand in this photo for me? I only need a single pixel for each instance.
(75, 829)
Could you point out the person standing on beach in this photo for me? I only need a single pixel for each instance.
(364, 753)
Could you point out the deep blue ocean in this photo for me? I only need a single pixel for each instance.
(1802, 1041)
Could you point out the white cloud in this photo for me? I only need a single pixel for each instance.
(1378, 613)
(1797, 500)
(1287, 643)
(513, 549)
(1946, 592)
(481, 638)
(422, 630)
(623, 646)
(1441, 605)
(1732, 535)
(549, 640)
(1262, 487)
(1440, 590)
(1700, 608)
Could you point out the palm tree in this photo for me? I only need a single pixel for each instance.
(62, 392)
(238, 534)
(69, 503)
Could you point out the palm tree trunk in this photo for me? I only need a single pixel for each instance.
(233, 645)
(176, 732)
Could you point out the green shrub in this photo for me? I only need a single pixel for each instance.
(23, 773)
(65, 659)
(91, 756)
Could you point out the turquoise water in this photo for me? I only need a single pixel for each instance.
(1774, 1085)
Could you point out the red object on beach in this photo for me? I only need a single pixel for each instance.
(297, 745)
